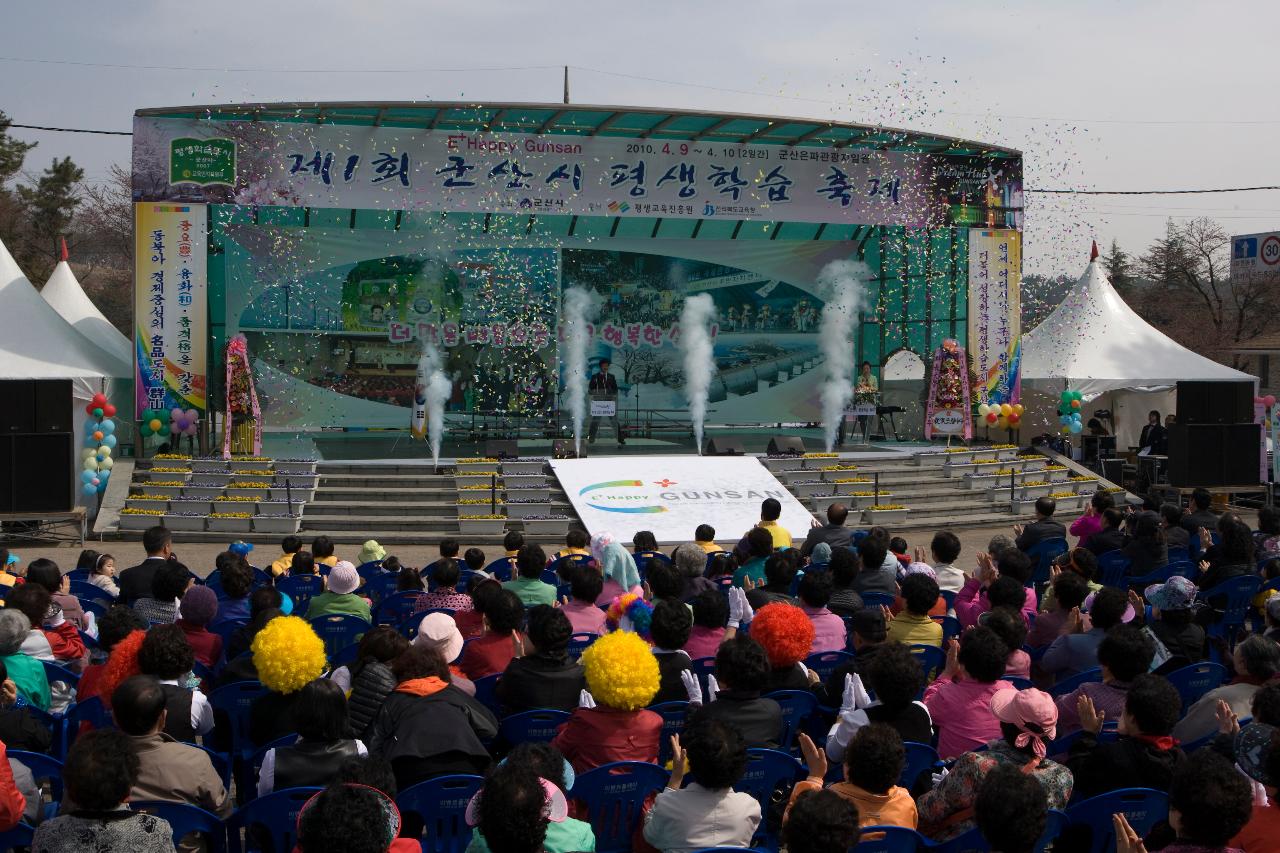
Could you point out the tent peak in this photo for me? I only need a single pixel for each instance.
(63, 255)
(1093, 253)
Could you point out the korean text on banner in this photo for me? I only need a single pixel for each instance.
(995, 311)
(170, 306)
(671, 495)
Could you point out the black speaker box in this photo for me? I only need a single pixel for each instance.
(724, 446)
(501, 448)
(562, 448)
(1205, 455)
(1215, 402)
(6, 473)
(17, 405)
(53, 406)
(41, 473)
(786, 445)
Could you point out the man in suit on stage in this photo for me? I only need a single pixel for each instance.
(604, 387)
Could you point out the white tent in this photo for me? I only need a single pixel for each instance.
(37, 343)
(1093, 342)
(64, 293)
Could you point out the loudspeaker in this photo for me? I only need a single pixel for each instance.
(1206, 455)
(724, 446)
(786, 445)
(562, 448)
(6, 473)
(501, 448)
(41, 469)
(17, 405)
(53, 406)
(1215, 402)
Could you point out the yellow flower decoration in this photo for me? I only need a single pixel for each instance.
(288, 654)
(621, 671)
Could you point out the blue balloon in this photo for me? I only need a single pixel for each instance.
(109, 441)
(1075, 427)
(86, 476)
(104, 474)
(89, 441)
(108, 426)
(90, 489)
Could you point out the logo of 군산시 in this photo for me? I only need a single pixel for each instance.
(621, 484)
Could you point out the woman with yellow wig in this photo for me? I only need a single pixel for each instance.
(287, 655)
(611, 723)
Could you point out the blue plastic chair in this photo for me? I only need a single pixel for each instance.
(1066, 685)
(253, 767)
(486, 693)
(1113, 569)
(1179, 554)
(932, 659)
(224, 628)
(235, 700)
(381, 587)
(889, 839)
(614, 796)
(502, 568)
(84, 589)
(1019, 682)
(18, 837)
(185, 819)
(276, 813)
(393, 609)
(644, 558)
(1159, 575)
(221, 764)
(703, 667)
(1238, 592)
(1195, 680)
(674, 715)
(78, 574)
(951, 627)
(90, 605)
(43, 767)
(767, 770)
(371, 569)
(1055, 823)
(344, 656)
(920, 757)
(441, 805)
(90, 711)
(876, 599)
(825, 663)
(797, 706)
(1042, 554)
(532, 726)
(578, 643)
(338, 631)
(1143, 807)
(57, 672)
(949, 596)
(301, 588)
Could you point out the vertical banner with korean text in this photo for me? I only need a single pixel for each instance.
(170, 306)
(995, 310)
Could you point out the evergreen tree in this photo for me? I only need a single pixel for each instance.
(1119, 267)
(50, 206)
(12, 152)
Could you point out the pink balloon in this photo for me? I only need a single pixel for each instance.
(190, 430)
(1270, 399)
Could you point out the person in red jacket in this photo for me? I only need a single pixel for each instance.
(12, 803)
(611, 724)
(490, 653)
(58, 640)
(198, 608)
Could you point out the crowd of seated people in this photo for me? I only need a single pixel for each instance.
(1029, 684)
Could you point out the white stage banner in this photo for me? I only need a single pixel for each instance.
(672, 495)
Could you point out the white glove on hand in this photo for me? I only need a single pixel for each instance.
(585, 700)
(692, 687)
(713, 687)
(803, 669)
(740, 611)
(855, 695)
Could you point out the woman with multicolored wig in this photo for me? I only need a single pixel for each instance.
(617, 566)
(611, 723)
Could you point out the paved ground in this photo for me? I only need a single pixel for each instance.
(199, 557)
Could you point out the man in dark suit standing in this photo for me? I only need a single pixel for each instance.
(1154, 435)
(834, 533)
(604, 387)
(1044, 527)
(135, 582)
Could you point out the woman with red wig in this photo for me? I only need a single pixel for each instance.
(786, 633)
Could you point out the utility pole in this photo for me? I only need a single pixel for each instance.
(566, 84)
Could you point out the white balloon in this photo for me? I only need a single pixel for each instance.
(91, 464)
(104, 450)
(106, 464)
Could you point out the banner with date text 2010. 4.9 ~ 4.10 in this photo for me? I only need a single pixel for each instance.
(672, 495)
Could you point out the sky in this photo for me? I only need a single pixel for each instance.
(1098, 94)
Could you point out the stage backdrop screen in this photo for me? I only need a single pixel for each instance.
(672, 495)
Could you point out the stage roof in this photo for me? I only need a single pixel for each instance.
(586, 120)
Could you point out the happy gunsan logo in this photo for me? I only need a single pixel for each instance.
(622, 498)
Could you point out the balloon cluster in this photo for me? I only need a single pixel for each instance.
(170, 421)
(1268, 401)
(1001, 415)
(99, 441)
(1069, 408)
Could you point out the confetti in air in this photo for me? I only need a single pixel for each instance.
(842, 282)
(699, 357)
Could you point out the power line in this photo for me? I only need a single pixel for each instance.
(73, 130)
(264, 70)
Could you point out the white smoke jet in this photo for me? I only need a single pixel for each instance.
(439, 388)
(841, 283)
(699, 357)
(580, 307)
